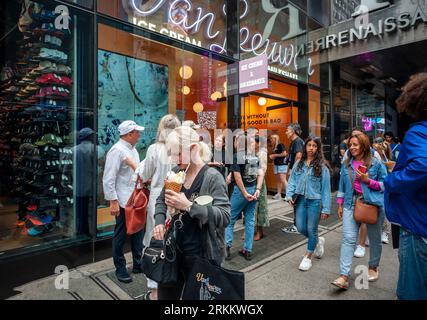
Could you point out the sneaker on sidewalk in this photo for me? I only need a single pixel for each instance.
(305, 264)
(277, 196)
(291, 229)
(320, 248)
(367, 242)
(384, 238)
(245, 254)
(360, 251)
(123, 276)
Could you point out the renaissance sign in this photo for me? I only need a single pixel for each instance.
(403, 21)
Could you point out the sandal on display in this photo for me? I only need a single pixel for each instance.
(341, 283)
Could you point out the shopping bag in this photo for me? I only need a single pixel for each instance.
(206, 281)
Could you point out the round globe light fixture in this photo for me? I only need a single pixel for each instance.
(216, 95)
(185, 90)
(262, 101)
(198, 107)
(185, 72)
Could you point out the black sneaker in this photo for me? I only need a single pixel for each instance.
(137, 269)
(123, 276)
(228, 256)
(245, 254)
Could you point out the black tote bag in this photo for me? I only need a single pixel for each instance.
(205, 280)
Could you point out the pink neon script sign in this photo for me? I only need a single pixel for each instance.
(253, 74)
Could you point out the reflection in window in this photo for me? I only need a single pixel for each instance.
(41, 195)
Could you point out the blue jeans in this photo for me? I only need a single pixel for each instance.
(239, 204)
(351, 235)
(412, 283)
(119, 239)
(307, 213)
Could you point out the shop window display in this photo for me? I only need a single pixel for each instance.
(37, 186)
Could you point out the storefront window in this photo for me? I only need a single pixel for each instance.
(199, 23)
(143, 80)
(46, 127)
(370, 113)
(320, 118)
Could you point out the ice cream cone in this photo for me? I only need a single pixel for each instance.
(171, 185)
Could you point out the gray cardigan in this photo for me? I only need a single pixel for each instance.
(213, 185)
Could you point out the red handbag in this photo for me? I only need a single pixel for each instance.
(136, 208)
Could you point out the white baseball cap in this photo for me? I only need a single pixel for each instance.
(128, 126)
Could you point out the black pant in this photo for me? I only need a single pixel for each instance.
(119, 239)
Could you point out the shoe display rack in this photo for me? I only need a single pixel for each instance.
(35, 95)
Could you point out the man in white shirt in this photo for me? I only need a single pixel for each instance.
(118, 187)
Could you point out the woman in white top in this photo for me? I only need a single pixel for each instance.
(155, 167)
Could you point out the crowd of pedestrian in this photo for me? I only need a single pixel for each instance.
(388, 177)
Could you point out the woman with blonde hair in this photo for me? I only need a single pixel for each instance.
(280, 168)
(155, 167)
(191, 154)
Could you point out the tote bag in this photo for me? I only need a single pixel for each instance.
(207, 281)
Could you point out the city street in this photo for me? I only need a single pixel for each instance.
(272, 274)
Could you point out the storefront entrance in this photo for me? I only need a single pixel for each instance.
(271, 109)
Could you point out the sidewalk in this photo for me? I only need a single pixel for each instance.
(273, 274)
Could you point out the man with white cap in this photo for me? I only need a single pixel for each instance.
(118, 187)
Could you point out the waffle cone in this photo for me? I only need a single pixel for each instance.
(169, 185)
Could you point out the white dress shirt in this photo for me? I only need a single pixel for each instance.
(117, 181)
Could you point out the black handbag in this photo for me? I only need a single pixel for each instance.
(205, 280)
(159, 260)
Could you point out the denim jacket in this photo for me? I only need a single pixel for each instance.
(377, 172)
(305, 183)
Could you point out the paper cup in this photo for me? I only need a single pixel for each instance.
(204, 200)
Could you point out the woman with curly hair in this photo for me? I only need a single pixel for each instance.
(406, 193)
(309, 190)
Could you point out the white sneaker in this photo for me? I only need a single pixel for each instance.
(359, 252)
(277, 196)
(305, 264)
(291, 229)
(384, 238)
(367, 242)
(320, 248)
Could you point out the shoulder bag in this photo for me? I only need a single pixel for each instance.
(159, 260)
(363, 212)
(136, 208)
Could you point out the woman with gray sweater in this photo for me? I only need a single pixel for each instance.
(192, 238)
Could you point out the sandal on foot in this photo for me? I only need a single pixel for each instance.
(146, 296)
(341, 283)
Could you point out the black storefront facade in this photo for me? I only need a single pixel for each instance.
(73, 65)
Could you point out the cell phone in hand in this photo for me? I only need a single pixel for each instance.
(363, 169)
